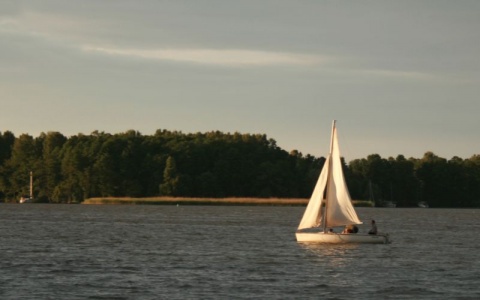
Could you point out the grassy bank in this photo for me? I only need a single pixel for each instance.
(207, 201)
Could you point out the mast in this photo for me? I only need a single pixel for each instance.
(31, 185)
(331, 137)
(328, 177)
(372, 197)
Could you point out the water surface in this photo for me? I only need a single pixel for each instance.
(224, 252)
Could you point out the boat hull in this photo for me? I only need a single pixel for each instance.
(338, 238)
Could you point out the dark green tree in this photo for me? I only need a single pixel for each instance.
(171, 180)
(432, 170)
(49, 175)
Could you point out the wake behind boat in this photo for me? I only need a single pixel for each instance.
(330, 206)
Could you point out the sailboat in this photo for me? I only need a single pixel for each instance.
(423, 204)
(330, 206)
(29, 199)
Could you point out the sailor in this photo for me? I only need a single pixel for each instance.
(350, 229)
(355, 229)
(374, 228)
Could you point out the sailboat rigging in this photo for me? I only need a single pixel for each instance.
(330, 206)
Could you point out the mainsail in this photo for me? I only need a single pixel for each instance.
(332, 190)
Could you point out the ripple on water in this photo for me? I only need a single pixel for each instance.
(164, 252)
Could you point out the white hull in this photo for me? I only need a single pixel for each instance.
(389, 204)
(25, 200)
(338, 238)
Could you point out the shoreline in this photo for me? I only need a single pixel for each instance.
(206, 201)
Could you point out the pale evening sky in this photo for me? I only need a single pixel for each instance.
(401, 77)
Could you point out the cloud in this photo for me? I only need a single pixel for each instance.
(225, 57)
(399, 74)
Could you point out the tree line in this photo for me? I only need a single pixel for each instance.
(215, 164)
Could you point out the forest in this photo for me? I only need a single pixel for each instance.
(215, 164)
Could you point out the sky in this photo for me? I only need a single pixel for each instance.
(400, 77)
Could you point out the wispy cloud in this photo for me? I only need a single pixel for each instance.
(224, 57)
(399, 74)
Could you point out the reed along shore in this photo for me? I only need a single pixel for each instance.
(208, 201)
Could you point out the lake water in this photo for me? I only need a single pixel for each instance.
(225, 252)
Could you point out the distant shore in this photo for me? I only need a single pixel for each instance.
(208, 201)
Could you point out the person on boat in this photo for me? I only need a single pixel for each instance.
(355, 229)
(374, 228)
(350, 229)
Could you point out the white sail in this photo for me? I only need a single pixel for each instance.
(338, 208)
(311, 217)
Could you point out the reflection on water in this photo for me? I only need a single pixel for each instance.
(332, 254)
(332, 261)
